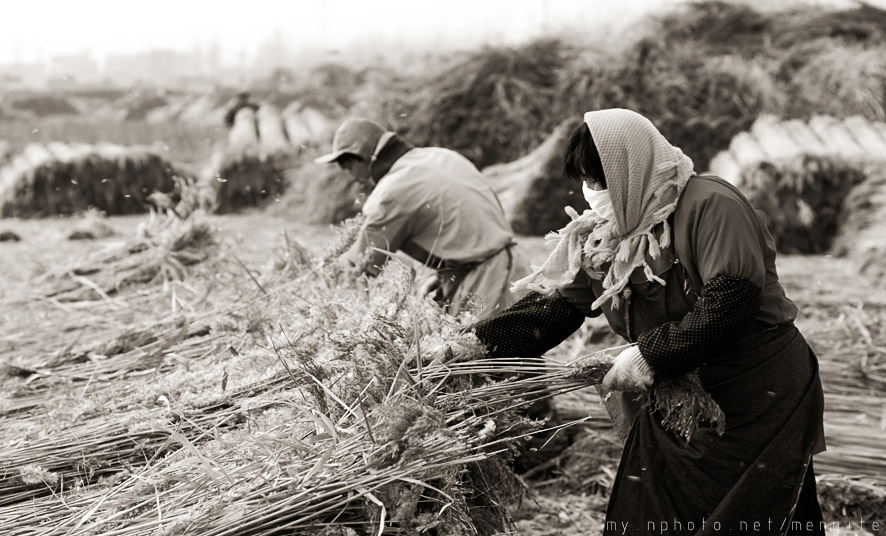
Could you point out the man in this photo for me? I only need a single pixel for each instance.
(435, 206)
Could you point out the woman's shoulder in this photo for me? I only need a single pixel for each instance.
(706, 191)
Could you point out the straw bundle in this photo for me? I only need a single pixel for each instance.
(243, 135)
(863, 223)
(270, 130)
(66, 179)
(9, 236)
(246, 179)
(306, 126)
(532, 190)
(162, 251)
(250, 170)
(93, 225)
(771, 139)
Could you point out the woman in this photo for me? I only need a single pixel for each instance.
(682, 266)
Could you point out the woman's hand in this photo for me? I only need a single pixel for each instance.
(629, 372)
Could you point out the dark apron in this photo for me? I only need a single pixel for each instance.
(769, 389)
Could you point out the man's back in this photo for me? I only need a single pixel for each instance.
(436, 199)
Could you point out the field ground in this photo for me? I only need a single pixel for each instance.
(842, 316)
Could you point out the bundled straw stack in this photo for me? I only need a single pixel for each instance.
(491, 106)
(251, 169)
(532, 189)
(306, 126)
(800, 173)
(270, 130)
(60, 178)
(863, 223)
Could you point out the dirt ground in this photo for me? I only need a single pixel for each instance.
(567, 501)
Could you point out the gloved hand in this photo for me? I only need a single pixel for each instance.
(629, 372)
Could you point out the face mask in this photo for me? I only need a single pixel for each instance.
(599, 201)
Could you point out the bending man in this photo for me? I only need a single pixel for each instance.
(434, 205)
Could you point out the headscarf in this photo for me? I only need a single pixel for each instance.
(645, 176)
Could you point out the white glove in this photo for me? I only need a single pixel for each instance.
(630, 372)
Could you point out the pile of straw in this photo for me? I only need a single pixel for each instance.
(702, 73)
(66, 179)
(93, 225)
(246, 179)
(491, 106)
(251, 169)
(533, 191)
(303, 414)
(812, 178)
(863, 223)
(162, 251)
(9, 236)
(842, 82)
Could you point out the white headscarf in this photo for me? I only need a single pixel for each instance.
(644, 177)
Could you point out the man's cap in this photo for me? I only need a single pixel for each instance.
(355, 136)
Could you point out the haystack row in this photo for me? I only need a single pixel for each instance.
(771, 139)
(804, 176)
(66, 179)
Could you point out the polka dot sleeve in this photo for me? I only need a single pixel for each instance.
(723, 313)
(530, 327)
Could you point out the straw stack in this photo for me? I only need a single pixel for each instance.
(65, 179)
(270, 130)
(800, 174)
(532, 190)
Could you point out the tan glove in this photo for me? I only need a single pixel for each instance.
(630, 372)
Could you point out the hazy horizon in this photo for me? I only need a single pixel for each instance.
(36, 31)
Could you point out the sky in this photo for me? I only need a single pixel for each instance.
(35, 30)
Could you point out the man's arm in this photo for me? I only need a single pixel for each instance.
(373, 248)
(388, 219)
